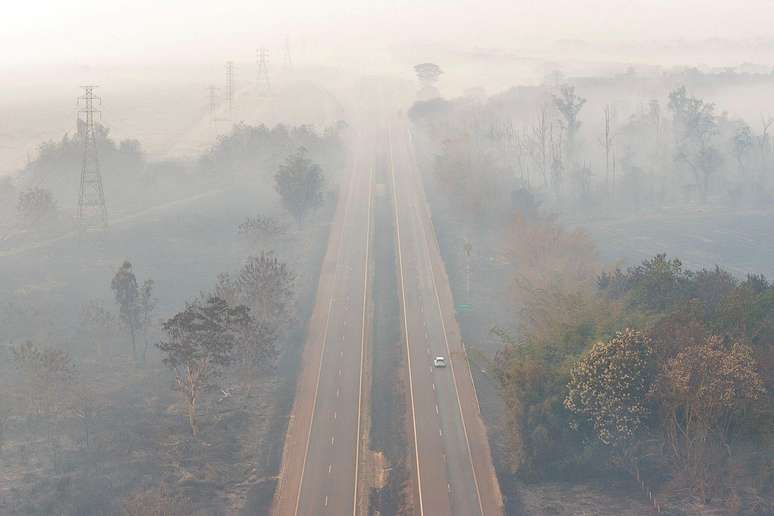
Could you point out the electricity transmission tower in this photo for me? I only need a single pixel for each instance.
(288, 60)
(212, 94)
(230, 87)
(92, 213)
(263, 84)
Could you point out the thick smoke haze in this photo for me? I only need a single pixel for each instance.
(395, 257)
(115, 32)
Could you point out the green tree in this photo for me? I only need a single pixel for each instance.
(300, 182)
(127, 295)
(199, 345)
(36, 206)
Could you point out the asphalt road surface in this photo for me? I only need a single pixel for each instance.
(321, 455)
(452, 468)
(454, 473)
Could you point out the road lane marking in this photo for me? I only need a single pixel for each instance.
(330, 467)
(326, 500)
(339, 372)
(440, 432)
(314, 403)
(363, 336)
(333, 439)
(436, 408)
(334, 414)
(337, 393)
(405, 322)
(433, 386)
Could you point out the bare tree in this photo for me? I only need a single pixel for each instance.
(98, 325)
(47, 377)
(763, 143)
(555, 139)
(265, 284)
(540, 135)
(606, 140)
(146, 306)
(695, 129)
(260, 228)
(569, 105)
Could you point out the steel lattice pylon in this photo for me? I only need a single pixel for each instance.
(92, 213)
(263, 84)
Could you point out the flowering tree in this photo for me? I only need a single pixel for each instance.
(609, 388)
(702, 391)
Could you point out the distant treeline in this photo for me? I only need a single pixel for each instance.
(605, 144)
(245, 152)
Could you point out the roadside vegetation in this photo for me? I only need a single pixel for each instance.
(166, 392)
(655, 372)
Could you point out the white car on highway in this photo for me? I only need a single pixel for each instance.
(439, 361)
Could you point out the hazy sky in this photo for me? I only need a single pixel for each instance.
(88, 31)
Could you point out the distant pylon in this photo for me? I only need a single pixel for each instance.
(263, 84)
(288, 60)
(212, 95)
(92, 213)
(230, 87)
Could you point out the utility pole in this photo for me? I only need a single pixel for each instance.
(92, 213)
(212, 94)
(263, 84)
(230, 87)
